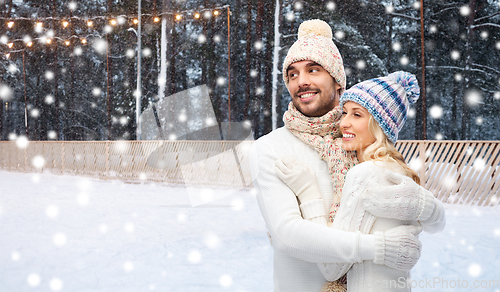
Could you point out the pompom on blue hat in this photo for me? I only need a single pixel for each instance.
(387, 99)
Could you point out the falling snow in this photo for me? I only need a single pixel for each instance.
(135, 237)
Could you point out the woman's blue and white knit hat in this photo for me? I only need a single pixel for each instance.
(387, 99)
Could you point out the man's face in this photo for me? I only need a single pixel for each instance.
(313, 90)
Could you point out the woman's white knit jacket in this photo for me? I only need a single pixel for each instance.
(367, 276)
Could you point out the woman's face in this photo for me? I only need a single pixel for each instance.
(354, 126)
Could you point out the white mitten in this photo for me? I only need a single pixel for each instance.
(398, 248)
(403, 199)
(299, 177)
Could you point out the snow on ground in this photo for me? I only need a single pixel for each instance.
(66, 233)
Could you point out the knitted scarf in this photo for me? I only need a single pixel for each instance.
(323, 135)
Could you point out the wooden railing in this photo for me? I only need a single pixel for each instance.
(462, 172)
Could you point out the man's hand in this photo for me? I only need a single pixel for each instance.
(299, 177)
(398, 248)
(403, 199)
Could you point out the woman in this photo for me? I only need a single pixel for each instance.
(374, 112)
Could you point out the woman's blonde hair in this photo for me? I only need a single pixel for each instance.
(383, 150)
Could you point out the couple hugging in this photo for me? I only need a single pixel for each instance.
(342, 207)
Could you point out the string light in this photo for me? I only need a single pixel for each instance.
(7, 55)
(89, 22)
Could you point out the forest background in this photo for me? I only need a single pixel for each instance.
(68, 69)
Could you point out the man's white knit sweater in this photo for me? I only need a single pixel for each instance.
(299, 244)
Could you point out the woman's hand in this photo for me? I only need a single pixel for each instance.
(299, 178)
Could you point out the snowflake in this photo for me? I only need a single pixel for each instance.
(129, 227)
(389, 8)
(238, 204)
(96, 91)
(38, 161)
(464, 10)
(52, 211)
(194, 257)
(13, 68)
(56, 284)
(290, 16)
(103, 228)
(202, 39)
(123, 120)
(455, 55)
(15, 256)
(339, 35)
(259, 91)
(108, 29)
(27, 39)
(130, 53)
(72, 5)
(35, 113)
(225, 281)
(479, 121)
(59, 239)
(416, 5)
(146, 52)
(330, 5)
(182, 117)
(52, 134)
(258, 45)
(484, 34)
(217, 38)
(433, 29)
(5, 92)
(497, 45)
(298, 6)
(396, 46)
(212, 241)
(475, 270)
(404, 60)
(479, 164)
(253, 73)
(4, 39)
(78, 51)
(474, 98)
(439, 136)
(496, 95)
(411, 113)
(361, 64)
(34, 280)
(458, 77)
(100, 45)
(22, 142)
(49, 75)
(436, 111)
(221, 81)
(83, 199)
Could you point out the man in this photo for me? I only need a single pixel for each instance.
(315, 78)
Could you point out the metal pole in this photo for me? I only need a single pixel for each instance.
(422, 43)
(138, 91)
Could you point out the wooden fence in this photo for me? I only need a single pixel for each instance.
(462, 172)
